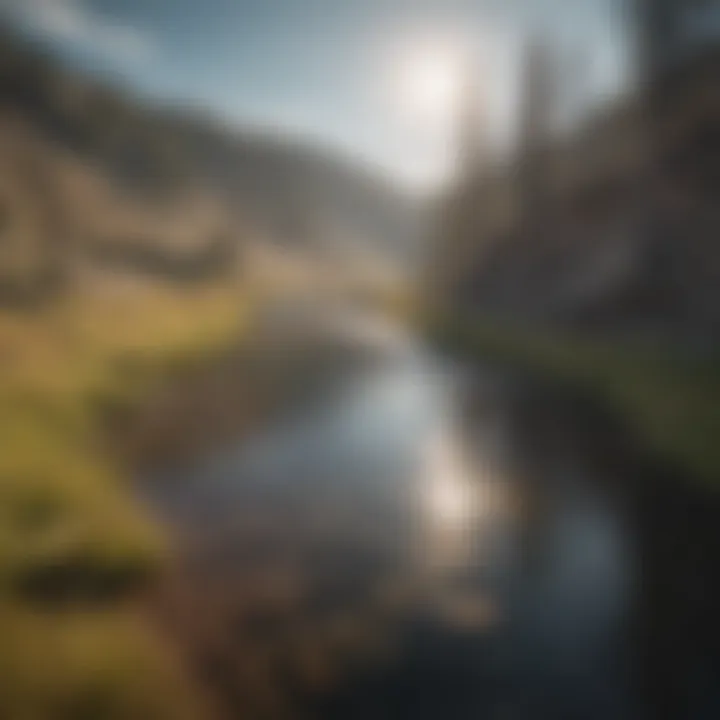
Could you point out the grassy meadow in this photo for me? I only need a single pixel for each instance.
(76, 550)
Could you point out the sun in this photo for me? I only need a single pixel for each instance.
(429, 77)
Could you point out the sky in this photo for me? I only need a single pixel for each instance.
(380, 80)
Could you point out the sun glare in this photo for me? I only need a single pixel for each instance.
(429, 79)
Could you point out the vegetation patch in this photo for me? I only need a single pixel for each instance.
(666, 396)
(76, 549)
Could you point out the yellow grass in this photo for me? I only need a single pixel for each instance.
(68, 520)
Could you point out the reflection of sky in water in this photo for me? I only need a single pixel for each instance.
(370, 431)
(383, 443)
(386, 440)
(449, 495)
(566, 645)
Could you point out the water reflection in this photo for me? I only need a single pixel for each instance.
(376, 511)
(449, 495)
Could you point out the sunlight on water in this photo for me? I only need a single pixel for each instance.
(450, 494)
(450, 503)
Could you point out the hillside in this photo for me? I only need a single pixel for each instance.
(93, 170)
(130, 240)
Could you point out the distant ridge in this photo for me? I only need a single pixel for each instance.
(155, 169)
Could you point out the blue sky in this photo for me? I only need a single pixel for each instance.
(329, 69)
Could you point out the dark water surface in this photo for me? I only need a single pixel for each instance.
(421, 542)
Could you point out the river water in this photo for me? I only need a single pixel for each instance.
(412, 543)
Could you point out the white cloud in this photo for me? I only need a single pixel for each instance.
(72, 21)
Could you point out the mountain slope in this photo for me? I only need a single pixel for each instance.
(120, 171)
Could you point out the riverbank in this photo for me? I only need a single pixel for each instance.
(76, 549)
(665, 397)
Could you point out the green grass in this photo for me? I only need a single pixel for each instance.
(667, 397)
(75, 546)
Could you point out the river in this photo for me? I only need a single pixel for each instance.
(418, 540)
